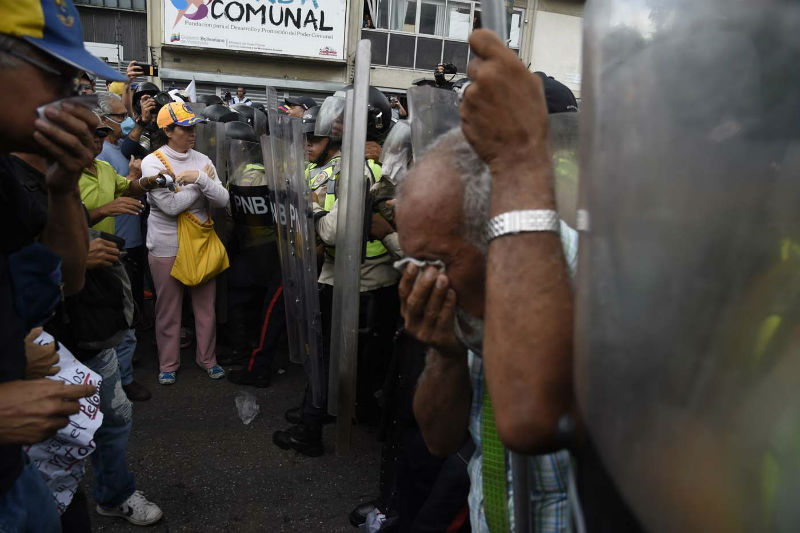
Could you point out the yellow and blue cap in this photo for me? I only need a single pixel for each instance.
(177, 113)
(54, 27)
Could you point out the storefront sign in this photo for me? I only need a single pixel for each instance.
(303, 28)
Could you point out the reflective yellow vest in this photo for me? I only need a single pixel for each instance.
(375, 248)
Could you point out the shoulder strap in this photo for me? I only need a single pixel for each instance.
(163, 159)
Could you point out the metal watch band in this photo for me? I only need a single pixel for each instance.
(515, 222)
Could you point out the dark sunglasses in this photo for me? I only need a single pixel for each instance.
(101, 133)
(71, 81)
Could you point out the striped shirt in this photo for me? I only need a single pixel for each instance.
(548, 473)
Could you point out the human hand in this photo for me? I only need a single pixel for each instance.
(187, 177)
(42, 358)
(318, 196)
(67, 138)
(210, 172)
(427, 305)
(148, 105)
(134, 71)
(503, 111)
(372, 151)
(379, 228)
(124, 205)
(134, 168)
(102, 253)
(31, 411)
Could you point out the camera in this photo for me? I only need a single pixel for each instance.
(227, 96)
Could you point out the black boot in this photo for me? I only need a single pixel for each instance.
(300, 438)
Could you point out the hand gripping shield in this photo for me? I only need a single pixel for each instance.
(687, 361)
(283, 148)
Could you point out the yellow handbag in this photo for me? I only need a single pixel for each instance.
(201, 255)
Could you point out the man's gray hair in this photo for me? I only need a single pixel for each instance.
(105, 101)
(476, 181)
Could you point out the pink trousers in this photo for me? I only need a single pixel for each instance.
(169, 300)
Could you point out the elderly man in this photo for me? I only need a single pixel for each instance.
(128, 227)
(444, 220)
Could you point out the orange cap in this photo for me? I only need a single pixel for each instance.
(177, 113)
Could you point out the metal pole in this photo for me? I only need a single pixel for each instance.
(349, 237)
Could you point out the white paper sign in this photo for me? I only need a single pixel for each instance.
(60, 459)
(303, 28)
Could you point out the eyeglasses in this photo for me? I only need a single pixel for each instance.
(118, 118)
(71, 80)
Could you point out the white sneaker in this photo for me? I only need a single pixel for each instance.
(136, 509)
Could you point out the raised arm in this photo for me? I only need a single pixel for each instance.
(528, 319)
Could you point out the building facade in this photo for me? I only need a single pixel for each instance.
(307, 46)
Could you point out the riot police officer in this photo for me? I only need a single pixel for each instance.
(379, 303)
(254, 279)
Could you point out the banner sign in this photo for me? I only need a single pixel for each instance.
(304, 28)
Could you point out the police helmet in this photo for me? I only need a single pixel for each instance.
(220, 113)
(208, 99)
(239, 131)
(379, 114)
(246, 113)
(310, 119)
(330, 118)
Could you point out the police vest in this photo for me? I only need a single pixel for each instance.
(318, 176)
(254, 223)
(375, 248)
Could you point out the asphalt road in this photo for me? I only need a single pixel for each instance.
(193, 456)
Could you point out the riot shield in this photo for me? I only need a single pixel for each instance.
(349, 245)
(432, 112)
(563, 137)
(687, 365)
(291, 197)
(210, 140)
(396, 152)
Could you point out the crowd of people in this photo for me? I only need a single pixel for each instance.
(466, 287)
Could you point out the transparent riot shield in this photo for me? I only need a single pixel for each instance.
(283, 148)
(687, 353)
(349, 246)
(210, 140)
(432, 112)
(396, 152)
(563, 137)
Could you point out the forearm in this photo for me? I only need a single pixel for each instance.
(442, 402)
(96, 215)
(67, 234)
(528, 323)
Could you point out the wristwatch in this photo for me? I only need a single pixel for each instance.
(514, 222)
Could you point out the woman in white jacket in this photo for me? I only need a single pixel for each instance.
(199, 191)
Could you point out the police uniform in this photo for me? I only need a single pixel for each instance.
(379, 306)
(255, 273)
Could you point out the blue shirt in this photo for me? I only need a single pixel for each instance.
(126, 226)
(549, 473)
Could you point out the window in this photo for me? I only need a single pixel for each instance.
(419, 34)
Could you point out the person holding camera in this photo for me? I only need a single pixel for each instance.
(241, 97)
(398, 111)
